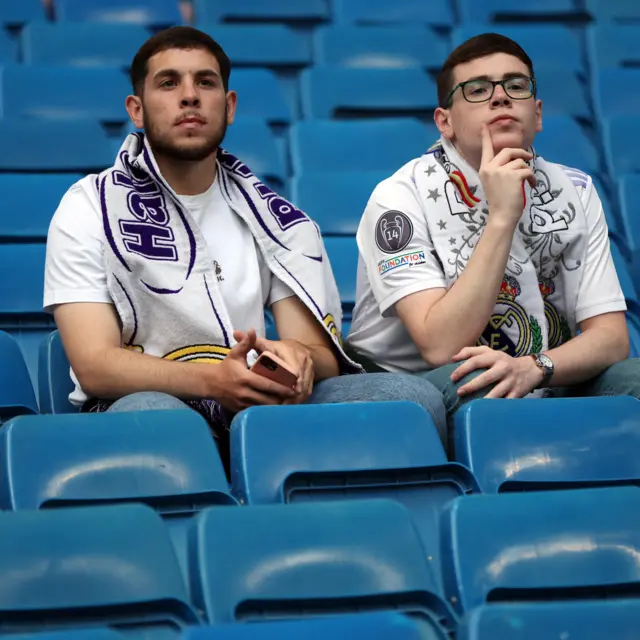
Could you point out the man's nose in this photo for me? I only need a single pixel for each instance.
(500, 96)
(190, 96)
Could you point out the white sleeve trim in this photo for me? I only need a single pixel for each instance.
(599, 309)
(53, 298)
(403, 292)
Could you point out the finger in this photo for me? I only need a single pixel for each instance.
(244, 345)
(487, 146)
(264, 385)
(481, 361)
(501, 390)
(518, 163)
(532, 180)
(507, 155)
(526, 174)
(468, 352)
(308, 377)
(262, 344)
(493, 375)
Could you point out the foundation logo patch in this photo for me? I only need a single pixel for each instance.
(402, 261)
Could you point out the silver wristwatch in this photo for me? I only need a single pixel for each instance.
(545, 364)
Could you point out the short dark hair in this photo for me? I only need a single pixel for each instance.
(479, 46)
(176, 38)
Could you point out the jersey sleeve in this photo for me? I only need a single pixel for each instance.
(395, 244)
(74, 267)
(600, 290)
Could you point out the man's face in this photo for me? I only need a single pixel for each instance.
(184, 109)
(512, 123)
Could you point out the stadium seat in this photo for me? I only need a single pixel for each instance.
(21, 290)
(8, 48)
(251, 140)
(541, 546)
(506, 10)
(110, 565)
(379, 47)
(626, 281)
(436, 12)
(344, 452)
(291, 561)
(54, 381)
(30, 200)
(82, 45)
(262, 45)
(358, 145)
(621, 139)
(329, 92)
(72, 145)
(252, 85)
(17, 14)
(95, 633)
(562, 93)
(64, 93)
(335, 200)
(545, 44)
(16, 391)
(343, 256)
(149, 13)
(372, 626)
(613, 10)
(556, 444)
(613, 45)
(593, 620)
(629, 186)
(617, 92)
(260, 11)
(564, 141)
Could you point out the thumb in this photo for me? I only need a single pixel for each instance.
(246, 342)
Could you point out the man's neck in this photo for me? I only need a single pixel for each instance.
(473, 162)
(188, 178)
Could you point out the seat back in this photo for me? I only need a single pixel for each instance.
(343, 256)
(555, 444)
(252, 85)
(613, 10)
(283, 561)
(17, 14)
(610, 84)
(620, 138)
(564, 141)
(148, 13)
(503, 10)
(541, 546)
(54, 379)
(16, 391)
(613, 45)
(257, 10)
(380, 12)
(94, 566)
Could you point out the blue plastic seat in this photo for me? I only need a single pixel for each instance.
(82, 45)
(251, 140)
(505, 10)
(252, 85)
(626, 281)
(335, 200)
(621, 137)
(435, 12)
(17, 14)
(545, 44)
(111, 565)
(16, 391)
(613, 10)
(8, 48)
(344, 452)
(291, 561)
(263, 45)
(593, 620)
(328, 92)
(613, 45)
(373, 626)
(260, 11)
(629, 210)
(64, 93)
(610, 85)
(35, 196)
(555, 444)
(542, 546)
(21, 290)
(72, 145)
(379, 47)
(343, 256)
(358, 145)
(54, 380)
(149, 13)
(564, 141)
(562, 93)
(95, 633)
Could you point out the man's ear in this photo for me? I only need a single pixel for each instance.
(442, 118)
(232, 103)
(538, 116)
(135, 111)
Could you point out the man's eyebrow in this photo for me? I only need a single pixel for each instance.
(509, 74)
(168, 73)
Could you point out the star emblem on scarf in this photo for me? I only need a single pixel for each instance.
(452, 241)
(442, 224)
(430, 169)
(433, 193)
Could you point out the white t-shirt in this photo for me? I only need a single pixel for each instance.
(376, 330)
(75, 268)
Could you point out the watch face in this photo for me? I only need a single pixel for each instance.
(545, 361)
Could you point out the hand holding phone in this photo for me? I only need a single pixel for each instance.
(270, 366)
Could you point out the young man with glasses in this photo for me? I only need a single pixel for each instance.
(481, 261)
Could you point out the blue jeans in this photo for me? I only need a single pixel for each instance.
(366, 387)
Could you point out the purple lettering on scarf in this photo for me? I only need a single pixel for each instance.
(149, 240)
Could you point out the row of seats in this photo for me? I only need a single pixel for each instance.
(439, 13)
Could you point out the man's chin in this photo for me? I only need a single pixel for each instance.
(192, 150)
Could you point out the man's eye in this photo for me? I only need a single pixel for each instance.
(168, 83)
(207, 83)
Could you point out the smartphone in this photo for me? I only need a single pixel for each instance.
(272, 367)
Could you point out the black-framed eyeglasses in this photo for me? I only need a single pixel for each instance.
(481, 90)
